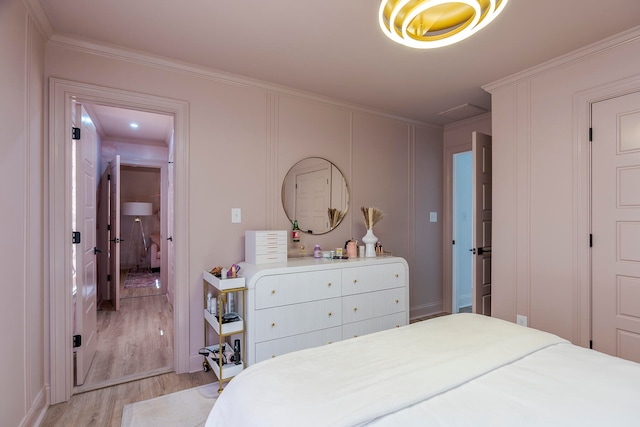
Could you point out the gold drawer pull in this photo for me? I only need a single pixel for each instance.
(329, 284)
(273, 324)
(273, 291)
(397, 301)
(397, 326)
(397, 275)
(330, 314)
(355, 280)
(273, 355)
(355, 308)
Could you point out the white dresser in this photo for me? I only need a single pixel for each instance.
(307, 302)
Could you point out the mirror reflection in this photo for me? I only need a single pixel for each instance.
(315, 193)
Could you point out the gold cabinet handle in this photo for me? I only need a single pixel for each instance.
(273, 324)
(330, 314)
(355, 308)
(329, 284)
(397, 275)
(355, 280)
(273, 291)
(397, 301)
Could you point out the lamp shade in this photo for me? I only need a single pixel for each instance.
(137, 208)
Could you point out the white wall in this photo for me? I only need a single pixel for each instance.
(23, 254)
(540, 179)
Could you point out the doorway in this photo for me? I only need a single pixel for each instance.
(462, 223)
(63, 94)
(135, 311)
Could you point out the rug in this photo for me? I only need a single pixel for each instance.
(141, 278)
(188, 408)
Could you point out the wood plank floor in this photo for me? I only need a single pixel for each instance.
(133, 342)
(103, 407)
(133, 362)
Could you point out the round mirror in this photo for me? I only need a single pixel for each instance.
(315, 193)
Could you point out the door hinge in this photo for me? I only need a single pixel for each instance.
(108, 177)
(75, 237)
(75, 133)
(590, 240)
(77, 341)
(453, 242)
(108, 227)
(590, 134)
(108, 277)
(591, 344)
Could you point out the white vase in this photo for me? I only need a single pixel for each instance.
(370, 241)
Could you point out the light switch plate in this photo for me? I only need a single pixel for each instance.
(236, 215)
(433, 216)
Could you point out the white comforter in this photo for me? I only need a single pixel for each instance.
(452, 370)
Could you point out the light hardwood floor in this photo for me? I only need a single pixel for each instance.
(103, 407)
(133, 362)
(133, 342)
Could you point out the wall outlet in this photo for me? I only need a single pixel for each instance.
(433, 216)
(236, 215)
(521, 320)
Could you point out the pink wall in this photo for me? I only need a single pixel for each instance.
(244, 137)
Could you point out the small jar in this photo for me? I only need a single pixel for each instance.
(352, 249)
(317, 252)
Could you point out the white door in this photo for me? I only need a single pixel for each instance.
(86, 310)
(615, 226)
(481, 152)
(114, 232)
(313, 195)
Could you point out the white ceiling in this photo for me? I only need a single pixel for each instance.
(336, 49)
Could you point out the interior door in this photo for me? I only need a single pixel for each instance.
(86, 189)
(615, 223)
(114, 232)
(481, 154)
(313, 195)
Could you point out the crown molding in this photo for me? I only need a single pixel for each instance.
(39, 17)
(174, 65)
(629, 36)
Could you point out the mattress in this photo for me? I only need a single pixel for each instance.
(462, 369)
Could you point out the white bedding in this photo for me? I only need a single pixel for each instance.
(453, 370)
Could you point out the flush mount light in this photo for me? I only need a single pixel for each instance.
(426, 24)
(133, 125)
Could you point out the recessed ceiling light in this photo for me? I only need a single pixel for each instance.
(134, 125)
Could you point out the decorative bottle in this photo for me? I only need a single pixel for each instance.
(295, 233)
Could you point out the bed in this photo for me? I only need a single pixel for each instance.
(455, 370)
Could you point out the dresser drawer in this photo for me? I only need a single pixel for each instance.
(268, 349)
(293, 288)
(269, 258)
(279, 322)
(373, 278)
(373, 304)
(377, 324)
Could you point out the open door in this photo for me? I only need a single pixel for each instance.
(114, 233)
(86, 250)
(615, 224)
(481, 153)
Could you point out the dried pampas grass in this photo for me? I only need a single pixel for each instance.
(371, 216)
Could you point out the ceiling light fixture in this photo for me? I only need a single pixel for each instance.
(133, 125)
(426, 24)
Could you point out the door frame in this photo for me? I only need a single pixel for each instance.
(582, 102)
(58, 289)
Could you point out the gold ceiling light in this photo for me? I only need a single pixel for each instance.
(426, 24)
